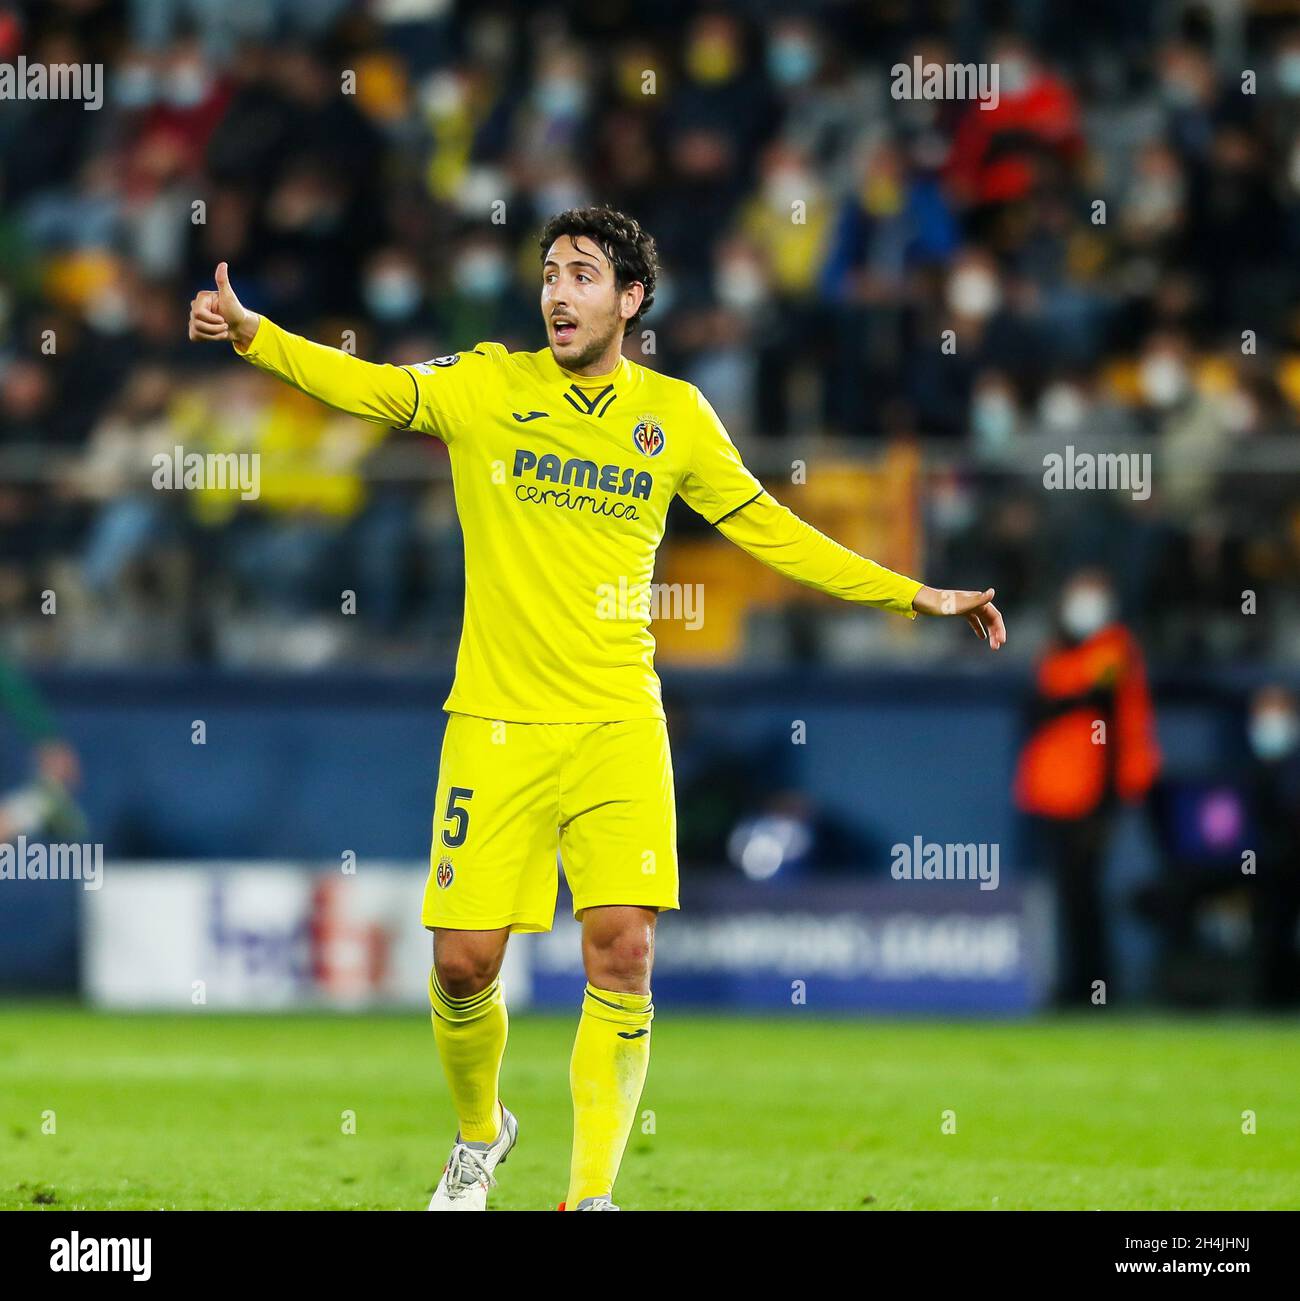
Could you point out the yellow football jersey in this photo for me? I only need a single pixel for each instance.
(563, 484)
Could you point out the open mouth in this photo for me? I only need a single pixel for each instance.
(563, 329)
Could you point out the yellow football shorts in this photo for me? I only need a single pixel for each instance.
(514, 796)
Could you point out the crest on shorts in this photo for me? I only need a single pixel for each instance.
(648, 436)
(445, 873)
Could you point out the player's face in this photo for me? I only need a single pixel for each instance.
(580, 302)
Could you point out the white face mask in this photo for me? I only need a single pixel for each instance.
(1240, 414)
(973, 292)
(1085, 611)
(392, 295)
(1287, 71)
(1163, 380)
(109, 313)
(1062, 407)
(561, 96)
(741, 285)
(561, 194)
(481, 275)
(1154, 200)
(1013, 75)
(188, 85)
(993, 418)
(791, 60)
(442, 94)
(1273, 733)
(136, 86)
(787, 186)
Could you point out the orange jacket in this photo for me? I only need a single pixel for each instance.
(1063, 771)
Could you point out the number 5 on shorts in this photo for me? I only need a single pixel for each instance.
(458, 815)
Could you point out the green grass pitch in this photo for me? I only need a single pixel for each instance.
(1097, 1111)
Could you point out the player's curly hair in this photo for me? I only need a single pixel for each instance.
(631, 250)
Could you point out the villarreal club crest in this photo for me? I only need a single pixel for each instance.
(648, 436)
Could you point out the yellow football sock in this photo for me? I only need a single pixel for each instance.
(606, 1074)
(471, 1037)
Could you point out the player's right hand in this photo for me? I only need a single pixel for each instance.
(217, 314)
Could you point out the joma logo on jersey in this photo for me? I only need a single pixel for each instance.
(446, 873)
(577, 473)
(648, 436)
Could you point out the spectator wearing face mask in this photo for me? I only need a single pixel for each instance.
(788, 224)
(392, 290)
(483, 300)
(1000, 150)
(1191, 437)
(1273, 731)
(1091, 746)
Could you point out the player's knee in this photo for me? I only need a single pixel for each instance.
(620, 960)
(463, 972)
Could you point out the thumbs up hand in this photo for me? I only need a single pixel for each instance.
(217, 314)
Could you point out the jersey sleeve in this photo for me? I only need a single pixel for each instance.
(450, 390)
(775, 535)
(716, 481)
(380, 394)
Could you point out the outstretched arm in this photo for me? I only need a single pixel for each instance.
(782, 541)
(385, 395)
(773, 534)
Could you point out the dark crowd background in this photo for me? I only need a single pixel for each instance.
(373, 212)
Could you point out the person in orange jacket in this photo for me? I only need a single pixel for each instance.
(1091, 747)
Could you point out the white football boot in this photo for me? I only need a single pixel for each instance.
(468, 1173)
(595, 1204)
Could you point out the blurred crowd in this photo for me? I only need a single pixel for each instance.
(1113, 247)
